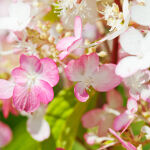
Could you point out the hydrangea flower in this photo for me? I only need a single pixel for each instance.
(32, 83)
(139, 13)
(125, 119)
(87, 72)
(104, 118)
(18, 19)
(125, 144)
(135, 44)
(5, 134)
(37, 126)
(69, 44)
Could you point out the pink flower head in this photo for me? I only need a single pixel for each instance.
(87, 72)
(69, 44)
(103, 118)
(33, 82)
(125, 144)
(60, 149)
(5, 134)
(125, 119)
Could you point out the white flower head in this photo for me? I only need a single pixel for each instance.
(18, 19)
(68, 9)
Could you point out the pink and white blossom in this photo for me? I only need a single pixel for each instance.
(87, 72)
(70, 44)
(125, 119)
(32, 83)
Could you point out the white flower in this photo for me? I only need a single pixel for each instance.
(68, 9)
(37, 126)
(138, 46)
(18, 19)
(146, 130)
(140, 13)
(137, 84)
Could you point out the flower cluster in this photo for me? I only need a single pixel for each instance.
(100, 48)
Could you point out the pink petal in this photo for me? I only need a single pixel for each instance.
(64, 43)
(6, 89)
(63, 54)
(75, 45)
(114, 99)
(92, 118)
(50, 72)
(78, 27)
(25, 98)
(106, 79)
(5, 134)
(6, 107)
(74, 70)
(31, 64)
(132, 105)
(19, 76)
(128, 66)
(126, 145)
(90, 138)
(121, 121)
(80, 92)
(105, 123)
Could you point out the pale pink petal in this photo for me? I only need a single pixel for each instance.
(126, 12)
(132, 105)
(92, 118)
(6, 89)
(128, 66)
(106, 122)
(74, 70)
(5, 134)
(114, 99)
(90, 138)
(50, 72)
(80, 92)
(6, 108)
(64, 43)
(106, 79)
(63, 54)
(19, 76)
(25, 99)
(121, 121)
(78, 27)
(31, 64)
(138, 15)
(125, 144)
(75, 45)
(131, 41)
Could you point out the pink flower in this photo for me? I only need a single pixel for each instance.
(87, 72)
(7, 108)
(5, 134)
(69, 44)
(104, 118)
(126, 118)
(33, 82)
(125, 144)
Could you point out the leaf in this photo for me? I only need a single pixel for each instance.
(78, 146)
(52, 16)
(70, 129)
(59, 110)
(136, 127)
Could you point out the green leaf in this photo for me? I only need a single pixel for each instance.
(52, 16)
(70, 129)
(78, 146)
(59, 110)
(136, 127)
(146, 147)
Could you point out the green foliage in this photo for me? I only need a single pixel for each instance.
(52, 16)
(136, 127)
